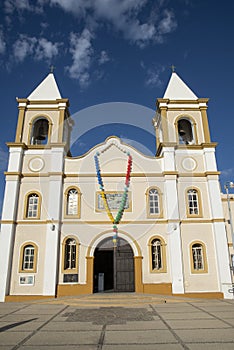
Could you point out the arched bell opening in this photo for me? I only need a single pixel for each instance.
(185, 132)
(113, 267)
(40, 129)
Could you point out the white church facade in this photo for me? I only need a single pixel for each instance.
(113, 219)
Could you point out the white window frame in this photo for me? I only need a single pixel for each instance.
(198, 256)
(28, 258)
(33, 206)
(193, 202)
(72, 202)
(156, 254)
(154, 202)
(70, 254)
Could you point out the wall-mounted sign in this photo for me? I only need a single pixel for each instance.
(26, 280)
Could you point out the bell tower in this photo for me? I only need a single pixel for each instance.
(181, 116)
(189, 171)
(44, 117)
(36, 166)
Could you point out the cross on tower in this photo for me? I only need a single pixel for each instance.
(52, 68)
(173, 68)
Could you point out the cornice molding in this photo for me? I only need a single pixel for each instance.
(40, 102)
(168, 101)
(17, 144)
(189, 147)
(150, 221)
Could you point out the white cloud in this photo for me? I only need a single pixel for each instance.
(152, 75)
(81, 50)
(23, 47)
(21, 5)
(103, 57)
(142, 64)
(2, 43)
(77, 7)
(124, 17)
(39, 49)
(138, 21)
(44, 25)
(46, 49)
(167, 23)
(153, 78)
(12, 5)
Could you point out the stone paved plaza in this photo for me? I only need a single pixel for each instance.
(118, 322)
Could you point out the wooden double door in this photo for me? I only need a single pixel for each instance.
(114, 267)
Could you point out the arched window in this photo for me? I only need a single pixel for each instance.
(158, 255)
(185, 132)
(40, 129)
(70, 256)
(193, 203)
(198, 257)
(33, 206)
(72, 199)
(28, 257)
(72, 202)
(153, 202)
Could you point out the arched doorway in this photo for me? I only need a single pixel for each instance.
(113, 267)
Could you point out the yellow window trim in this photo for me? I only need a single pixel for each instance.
(26, 198)
(21, 259)
(69, 271)
(205, 265)
(78, 214)
(199, 215)
(163, 250)
(160, 214)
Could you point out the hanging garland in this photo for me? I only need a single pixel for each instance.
(115, 221)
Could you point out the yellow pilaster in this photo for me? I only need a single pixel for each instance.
(61, 124)
(138, 274)
(90, 260)
(164, 124)
(205, 124)
(20, 124)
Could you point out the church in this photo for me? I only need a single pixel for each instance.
(114, 219)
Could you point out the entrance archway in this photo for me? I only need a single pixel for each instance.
(113, 267)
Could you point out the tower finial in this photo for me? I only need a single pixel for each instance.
(52, 68)
(173, 68)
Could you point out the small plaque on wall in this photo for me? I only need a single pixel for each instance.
(70, 278)
(114, 200)
(26, 280)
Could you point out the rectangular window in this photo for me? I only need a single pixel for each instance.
(70, 278)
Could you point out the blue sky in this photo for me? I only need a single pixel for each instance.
(109, 51)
